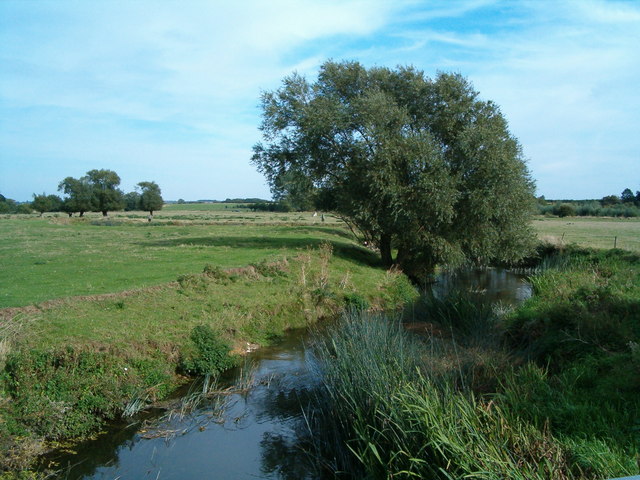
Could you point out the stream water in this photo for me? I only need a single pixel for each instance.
(252, 429)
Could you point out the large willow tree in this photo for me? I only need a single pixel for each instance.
(418, 166)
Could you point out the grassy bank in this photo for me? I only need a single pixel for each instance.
(70, 364)
(53, 257)
(549, 390)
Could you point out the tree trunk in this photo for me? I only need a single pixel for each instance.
(81, 213)
(104, 213)
(70, 214)
(385, 250)
(419, 272)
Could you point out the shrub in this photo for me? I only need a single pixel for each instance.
(61, 394)
(356, 302)
(215, 272)
(210, 355)
(271, 269)
(564, 210)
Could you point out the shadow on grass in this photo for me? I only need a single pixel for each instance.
(338, 232)
(351, 252)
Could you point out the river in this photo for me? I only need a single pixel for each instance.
(250, 430)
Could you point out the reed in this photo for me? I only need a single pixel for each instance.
(394, 405)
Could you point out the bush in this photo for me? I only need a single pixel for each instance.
(564, 210)
(210, 355)
(61, 394)
(215, 272)
(356, 302)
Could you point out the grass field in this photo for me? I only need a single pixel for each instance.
(594, 232)
(54, 256)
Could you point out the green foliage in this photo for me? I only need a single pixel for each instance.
(397, 291)
(9, 205)
(627, 196)
(79, 194)
(564, 210)
(356, 302)
(150, 197)
(610, 200)
(271, 269)
(382, 414)
(395, 406)
(607, 207)
(131, 201)
(466, 316)
(105, 194)
(211, 354)
(588, 305)
(46, 203)
(192, 282)
(215, 271)
(415, 164)
(62, 394)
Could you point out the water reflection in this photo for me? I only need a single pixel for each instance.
(259, 433)
(495, 284)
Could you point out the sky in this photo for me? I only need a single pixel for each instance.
(170, 91)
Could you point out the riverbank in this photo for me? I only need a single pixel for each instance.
(74, 364)
(546, 390)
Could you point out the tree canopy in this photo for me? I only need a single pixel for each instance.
(627, 196)
(79, 195)
(46, 203)
(105, 192)
(415, 165)
(150, 197)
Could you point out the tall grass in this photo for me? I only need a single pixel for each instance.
(363, 360)
(465, 401)
(382, 414)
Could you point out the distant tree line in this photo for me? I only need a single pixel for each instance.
(625, 205)
(97, 191)
(8, 205)
(182, 201)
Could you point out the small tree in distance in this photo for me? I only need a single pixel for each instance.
(41, 203)
(627, 196)
(610, 200)
(105, 192)
(79, 195)
(150, 197)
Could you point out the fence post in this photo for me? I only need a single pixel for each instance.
(562, 239)
(615, 242)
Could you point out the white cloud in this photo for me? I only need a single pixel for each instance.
(145, 83)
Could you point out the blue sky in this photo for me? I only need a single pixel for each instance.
(169, 91)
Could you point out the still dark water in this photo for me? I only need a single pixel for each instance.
(251, 431)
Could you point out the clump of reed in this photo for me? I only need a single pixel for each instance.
(452, 405)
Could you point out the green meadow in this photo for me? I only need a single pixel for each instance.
(54, 256)
(593, 232)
